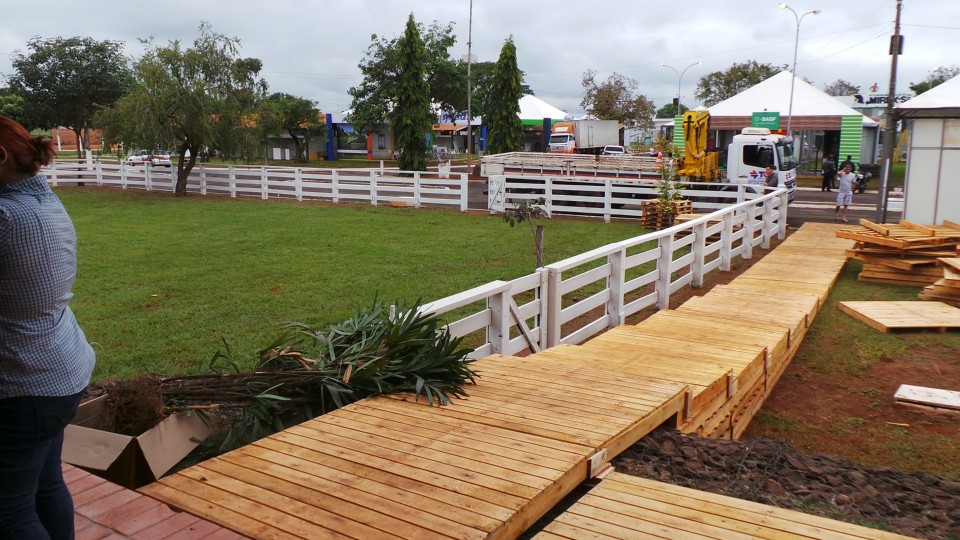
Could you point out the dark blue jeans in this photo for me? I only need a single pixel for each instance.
(34, 500)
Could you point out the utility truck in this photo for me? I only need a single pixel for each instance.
(583, 136)
(748, 155)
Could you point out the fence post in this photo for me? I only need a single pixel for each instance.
(373, 187)
(464, 192)
(664, 262)
(335, 185)
(784, 203)
(726, 241)
(264, 184)
(232, 180)
(541, 293)
(99, 169)
(767, 223)
(548, 194)
(147, 176)
(498, 331)
(416, 191)
(749, 228)
(203, 179)
(615, 282)
(554, 305)
(607, 199)
(298, 183)
(123, 175)
(699, 254)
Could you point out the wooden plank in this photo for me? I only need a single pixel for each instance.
(930, 397)
(879, 229)
(733, 516)
(928, 231)
(886, 316)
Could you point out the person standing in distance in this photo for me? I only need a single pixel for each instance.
(845, 192)
(829, 173)
(45, 360)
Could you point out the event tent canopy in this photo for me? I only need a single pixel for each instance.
(941, 101)
(812, 108)
(533, 110)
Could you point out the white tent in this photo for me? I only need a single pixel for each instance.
(533, 110)
(941, 100)
(812, 108)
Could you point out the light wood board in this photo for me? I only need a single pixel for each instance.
(899, 315)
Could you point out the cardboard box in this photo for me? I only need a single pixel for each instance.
(130, 461)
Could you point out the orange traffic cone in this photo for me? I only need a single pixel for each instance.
(659, 159)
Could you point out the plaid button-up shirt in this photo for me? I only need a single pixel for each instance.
(43, 351)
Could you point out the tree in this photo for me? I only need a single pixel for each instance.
(65, 81)
(670, 110)
(299, 117)
(720, 85)
(503, 111)
(935, 78)
(11, 105)
(205, 96)
(616, 99)
(481, 74)
(411, 116)
(841, 88)
(446, 78)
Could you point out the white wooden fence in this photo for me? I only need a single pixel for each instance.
(608, 197)
(628, 166)
(576, 298)
(376, 186)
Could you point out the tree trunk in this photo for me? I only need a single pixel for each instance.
(77, 132)
(538, 245)
(184, 169)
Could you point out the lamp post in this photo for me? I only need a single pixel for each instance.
(793, 72)
(680, 80)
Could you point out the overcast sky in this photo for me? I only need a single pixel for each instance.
(311, 48)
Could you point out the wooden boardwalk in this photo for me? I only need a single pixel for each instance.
(631, 508)
(532, 429)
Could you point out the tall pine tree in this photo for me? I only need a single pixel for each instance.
(503, 111)
(411, 117)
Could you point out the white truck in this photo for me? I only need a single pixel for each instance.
(753, 149)
(583, 136)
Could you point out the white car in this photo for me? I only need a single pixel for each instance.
(142, 157)
(614, 150)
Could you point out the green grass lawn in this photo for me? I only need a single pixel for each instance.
(161, 279)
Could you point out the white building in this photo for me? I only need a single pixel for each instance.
(932, 186)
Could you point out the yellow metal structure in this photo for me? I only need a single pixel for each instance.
(698, 164)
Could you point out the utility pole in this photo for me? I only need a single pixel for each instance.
(469, 84)
(890, 120)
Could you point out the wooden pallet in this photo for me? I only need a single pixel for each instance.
(901, 315)
(628, 507)
(946, 289)
(932, 400)
(486, 466)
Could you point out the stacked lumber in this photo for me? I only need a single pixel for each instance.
(946, 289)
(902, 254)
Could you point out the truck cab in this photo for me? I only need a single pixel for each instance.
(754, 149)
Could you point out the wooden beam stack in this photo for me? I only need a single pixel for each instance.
(946, 289)
(903, 254)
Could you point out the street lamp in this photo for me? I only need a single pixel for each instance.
(680, 80)
(793, 73)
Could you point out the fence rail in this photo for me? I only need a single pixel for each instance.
(376, 186)
(608, 198)
(576, 298)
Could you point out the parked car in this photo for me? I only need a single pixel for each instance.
(614, 150)
(143, 157)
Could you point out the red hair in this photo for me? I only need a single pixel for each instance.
(28, 153)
